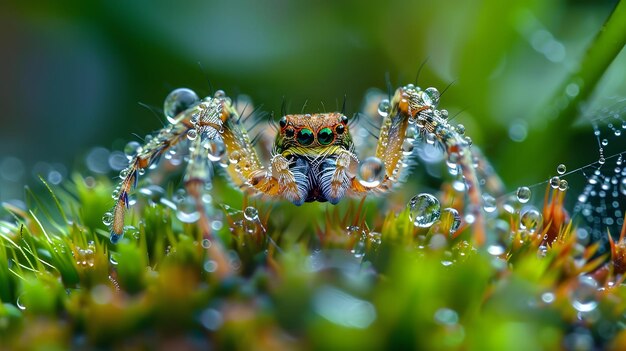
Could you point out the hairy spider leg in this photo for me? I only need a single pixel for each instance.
(410, 106)
(149, 154)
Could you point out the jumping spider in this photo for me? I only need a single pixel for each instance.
(313, 157)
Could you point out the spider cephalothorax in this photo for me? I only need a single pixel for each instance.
(320, 153)
(313, 157)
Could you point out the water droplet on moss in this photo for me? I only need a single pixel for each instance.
(424, 210)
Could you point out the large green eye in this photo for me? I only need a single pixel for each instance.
(325, 136)
(305, 137)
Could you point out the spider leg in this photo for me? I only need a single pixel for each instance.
(146, 156)
(335, 174)
(410, 106)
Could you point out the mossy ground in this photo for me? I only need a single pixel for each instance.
(350, 276)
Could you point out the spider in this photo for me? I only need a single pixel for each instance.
(313, 157)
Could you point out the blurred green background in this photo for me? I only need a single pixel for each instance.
(73, 72)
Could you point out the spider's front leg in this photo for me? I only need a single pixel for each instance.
(410, 106)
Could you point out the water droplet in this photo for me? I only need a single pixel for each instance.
(187, 212)
(371, 172)
(131, 149)
(605, 142)
(407, 147)
(446, 316)
(554, 182)
(451, 216)
(563, 185)
(115, 238)
(250, 213)
(210, 266)
(622, 186)
(460, 129)
(424, 210)
(496, 249)
(547, 297)
(206, 243)
(523, 194)
(383, 108)
(216, 149)
(178, 101)
(107, 218)
(531, 219)
(561, 169)
(431, 97)
(192, 134)
(489, 203)
(584, 296)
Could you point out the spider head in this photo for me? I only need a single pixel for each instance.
(310, 135)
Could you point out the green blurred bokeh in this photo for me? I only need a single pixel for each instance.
(73, 72)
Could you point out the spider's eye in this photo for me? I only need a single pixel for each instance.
(305, 137)
(340, 129)
(289, 132)
(283, 122)
(325, 136)
(344, 119)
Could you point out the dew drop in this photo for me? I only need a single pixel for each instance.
(531, 220)
(584, 297)
(192, 134)
(431, 97)
(605, 142)
(187, 212)
(216, 149)
(523, 194)
(250, 213)
(563, 185)
(554, 182)
(622, 186)
(178, 101)
(561, 169)
(206, 243)
(383, 108)
(460, 129)
(407, 147)
(132, 149)
(489, 203)
(115, 238)
(107, 218)
(424, 210)
(496, 249)
(451, 216)
(371, 172)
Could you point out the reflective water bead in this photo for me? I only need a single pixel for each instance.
(489, 203)
(460, 129)
(431, 97)
(371, 172)
(192, 134)
(451, 216)
(563, 185)
(132, 149)
(584, 296)
(531, 220)
(178, 101)
(424, 210)
(115, 238)
(187, 212)
(554, 182)
(107, 218)
(523, 194)
(383, 108)
(250, 213)
(407, 147)
(605, 142)
(216, 149)
(561, 169)
(622, 186)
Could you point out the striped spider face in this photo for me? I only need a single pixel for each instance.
(313, 135)
(314, 145)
